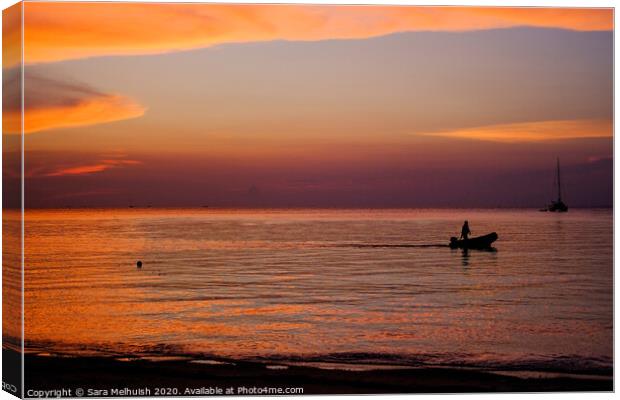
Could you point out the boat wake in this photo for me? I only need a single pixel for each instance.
(379, 245)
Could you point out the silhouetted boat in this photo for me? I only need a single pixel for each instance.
(480, 242)
(558, 205)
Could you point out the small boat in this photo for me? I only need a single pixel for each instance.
(480, 242)
(557, 205)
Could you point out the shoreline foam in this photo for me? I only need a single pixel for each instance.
(48, 373)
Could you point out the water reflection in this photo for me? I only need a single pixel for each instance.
(484, 255)
(465, 257)
(239, 282)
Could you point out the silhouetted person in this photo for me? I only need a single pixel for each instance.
(465, 231)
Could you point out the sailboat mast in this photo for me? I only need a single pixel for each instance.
(559, 183)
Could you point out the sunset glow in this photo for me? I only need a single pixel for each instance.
(90, 169)
(535, 131)
(96, 110)
(302, 105)
(115, 29)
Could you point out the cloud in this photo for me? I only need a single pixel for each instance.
(599, 159)
(60, 31)
(85, 193)
(534, 131)
(92, 168)
(51, 103)
(12, 35)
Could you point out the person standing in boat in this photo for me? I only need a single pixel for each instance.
(465, 232)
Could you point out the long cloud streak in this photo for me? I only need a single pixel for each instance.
(52, 103)
(60, 31)
(534, 131)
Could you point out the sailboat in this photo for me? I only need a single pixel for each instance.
(558, 205)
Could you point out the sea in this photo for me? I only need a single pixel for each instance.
(332, 288)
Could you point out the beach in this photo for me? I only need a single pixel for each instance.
(105, 374)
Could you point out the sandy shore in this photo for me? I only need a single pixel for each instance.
(106, 376)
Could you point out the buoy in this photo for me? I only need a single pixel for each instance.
(139, 264)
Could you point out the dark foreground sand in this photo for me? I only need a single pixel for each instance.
(46, 373)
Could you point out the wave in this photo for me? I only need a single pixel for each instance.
(491, 362)
(557, 363)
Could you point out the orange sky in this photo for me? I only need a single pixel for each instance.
(90, 111)
(92, 168)
(535, 131)
(268, 84)
(60, 31)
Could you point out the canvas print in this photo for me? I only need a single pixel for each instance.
(296, 199)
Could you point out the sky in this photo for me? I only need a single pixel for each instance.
(311, 106)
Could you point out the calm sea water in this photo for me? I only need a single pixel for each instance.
(348, 286)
